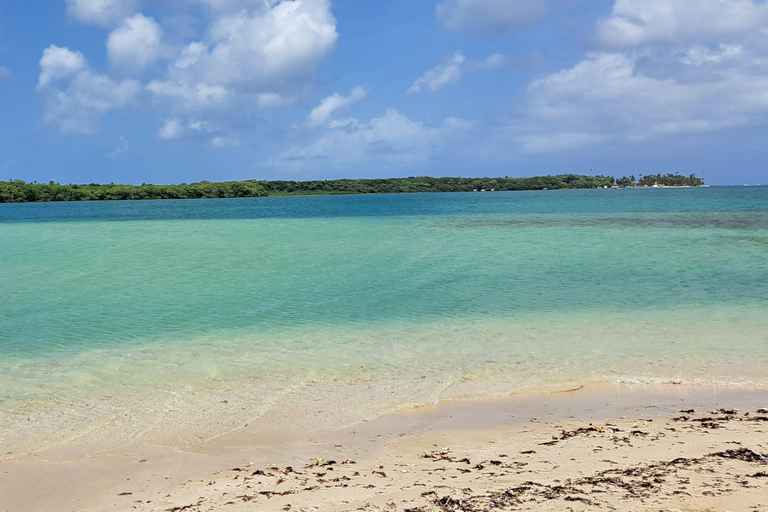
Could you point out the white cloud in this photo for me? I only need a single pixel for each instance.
(123, 148)
(247, 56)
(440, 75)
(174, 129)
(100, 12)
(332, 104)
(190, 97)
(58, 64)
(279, 45)
(606, 98)
(197, 131)
(255, 56)
(135, 45)
(452, 71)
(190, 55)
(634, 22)
(89, 95)
(386, 142)
(673, 68)
(489, 18)
(698, 56)
(5, 73)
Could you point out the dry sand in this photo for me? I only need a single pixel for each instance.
(608, 448)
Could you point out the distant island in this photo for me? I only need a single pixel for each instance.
(18, 191)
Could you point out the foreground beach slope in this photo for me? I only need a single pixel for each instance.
(631, 465)
(654, 452)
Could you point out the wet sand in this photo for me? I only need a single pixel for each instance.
(625, 447)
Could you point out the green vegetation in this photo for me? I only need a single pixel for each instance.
(665, 180)
(427, 184)
(18, 191)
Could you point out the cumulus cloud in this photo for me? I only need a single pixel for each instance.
(488, 18)
(100, 12)
(190, 55)
(671, 68)
(278, 45)
(392, 140)
(333, 104)
(634, 22)
(190, 97)
(256, 55)
(605, 97)
(135, 45)
(452, 71)
(253, 56)
(59, 63)
(87, 96)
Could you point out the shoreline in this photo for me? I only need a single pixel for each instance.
(163, 396)
(146, 473)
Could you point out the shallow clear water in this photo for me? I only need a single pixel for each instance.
(121, 319)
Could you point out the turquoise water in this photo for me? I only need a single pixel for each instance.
(119, 318)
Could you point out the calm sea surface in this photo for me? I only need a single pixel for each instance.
(121, 320)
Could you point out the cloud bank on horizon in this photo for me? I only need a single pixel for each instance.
(314, 88)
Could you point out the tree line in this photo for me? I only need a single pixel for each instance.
(18, 191)
(428, 184)
(665, 180)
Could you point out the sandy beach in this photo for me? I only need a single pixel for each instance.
(600, 448)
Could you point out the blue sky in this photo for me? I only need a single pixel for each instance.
(170, 91)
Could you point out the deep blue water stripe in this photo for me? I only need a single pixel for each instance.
(564, 202)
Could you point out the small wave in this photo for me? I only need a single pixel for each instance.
(686, 381)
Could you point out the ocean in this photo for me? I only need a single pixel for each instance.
(174, 322)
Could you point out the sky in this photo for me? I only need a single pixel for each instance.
(172, 91)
